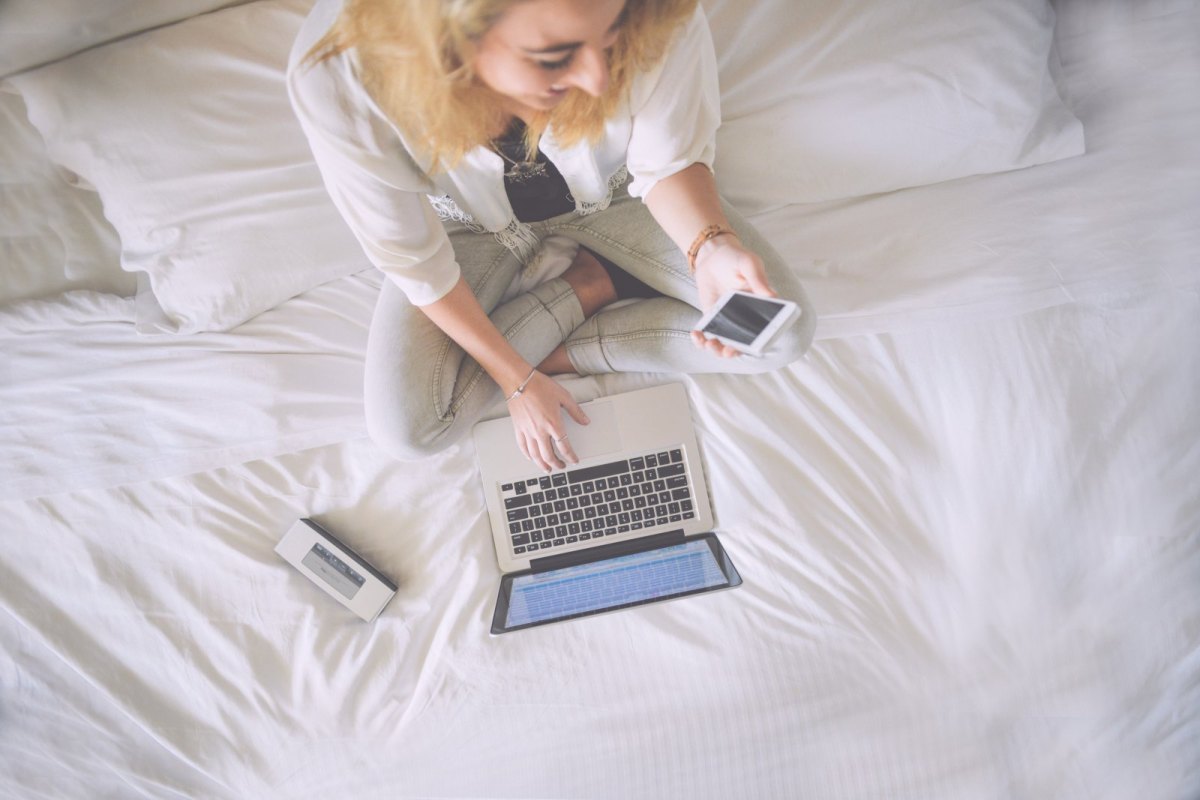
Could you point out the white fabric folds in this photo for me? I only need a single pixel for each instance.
(845, 98)
(187, 135)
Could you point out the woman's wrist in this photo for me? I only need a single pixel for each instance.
(520, 387)
(509, 371)
(712, 245)
(711, 238)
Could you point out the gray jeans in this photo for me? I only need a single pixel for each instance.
(423, 393)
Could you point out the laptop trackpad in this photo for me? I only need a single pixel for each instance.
(599, 437)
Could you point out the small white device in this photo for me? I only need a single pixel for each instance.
(747, 322)
(340, 572)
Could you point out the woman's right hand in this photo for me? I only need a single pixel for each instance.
(538, 419)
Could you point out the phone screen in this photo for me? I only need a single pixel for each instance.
(743, 318)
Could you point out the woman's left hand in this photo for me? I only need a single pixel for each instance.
(725, 265)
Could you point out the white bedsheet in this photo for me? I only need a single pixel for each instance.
(113, 407)
(970, 571)
(970, 557)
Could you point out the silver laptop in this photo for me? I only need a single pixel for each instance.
(635, 506)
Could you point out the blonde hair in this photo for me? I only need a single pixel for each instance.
(415, 60)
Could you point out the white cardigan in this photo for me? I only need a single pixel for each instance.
(395, 211)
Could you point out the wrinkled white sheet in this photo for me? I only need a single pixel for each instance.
(86, 402)
(970, 556)
(971, 571)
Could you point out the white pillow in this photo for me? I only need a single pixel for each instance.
(829, 99)
(34, 32)
(188, 135)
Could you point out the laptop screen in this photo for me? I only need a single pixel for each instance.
(533, 598)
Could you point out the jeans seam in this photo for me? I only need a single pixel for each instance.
(601, 340)
(616, 244)
(521, 322)
(454, 405)
(661, 333)
(516, 327)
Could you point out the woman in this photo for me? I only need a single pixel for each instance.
(464, 139)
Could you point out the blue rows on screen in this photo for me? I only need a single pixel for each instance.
(613, 582)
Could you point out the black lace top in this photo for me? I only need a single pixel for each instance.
(536, 189)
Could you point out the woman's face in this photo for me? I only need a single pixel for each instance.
(540, 49)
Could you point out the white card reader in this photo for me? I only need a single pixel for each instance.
(342, 573)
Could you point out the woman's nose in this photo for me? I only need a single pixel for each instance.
(590, 72)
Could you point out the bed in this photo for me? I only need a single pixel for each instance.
(968, 521)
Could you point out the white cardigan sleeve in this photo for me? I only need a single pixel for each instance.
(370, 176)
(676, 109)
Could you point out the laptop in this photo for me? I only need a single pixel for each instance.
(629, 524)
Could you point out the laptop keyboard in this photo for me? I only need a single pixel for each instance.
(579, 505)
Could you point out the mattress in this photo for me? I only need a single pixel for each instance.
(968, 521)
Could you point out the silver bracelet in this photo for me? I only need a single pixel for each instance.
(521, 388)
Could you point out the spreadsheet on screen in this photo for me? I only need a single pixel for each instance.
(613, 582)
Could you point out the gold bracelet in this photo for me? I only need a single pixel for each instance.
(711, 232)
(521, 388)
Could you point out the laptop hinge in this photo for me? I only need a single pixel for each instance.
(604, 551)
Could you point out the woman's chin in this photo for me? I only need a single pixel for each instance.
(535, 104)
(548, 100)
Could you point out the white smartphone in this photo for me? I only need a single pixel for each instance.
(747, 322)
